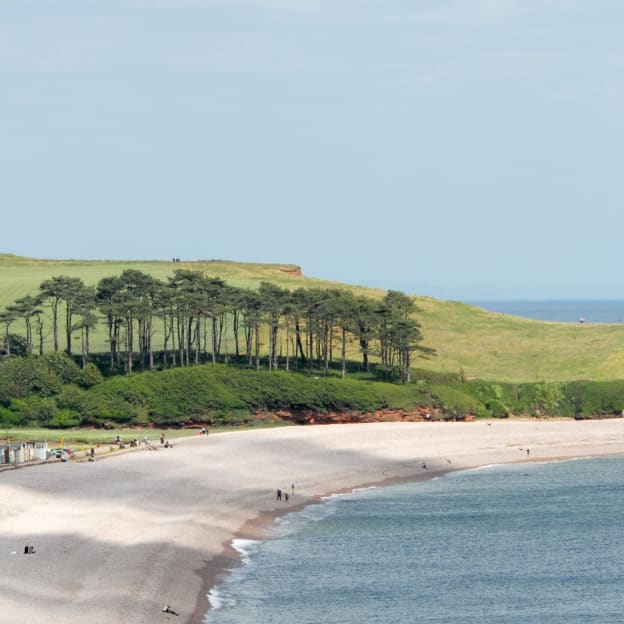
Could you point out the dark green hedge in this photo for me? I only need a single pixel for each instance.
(53, 391)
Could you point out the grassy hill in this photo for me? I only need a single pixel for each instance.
(482, 344)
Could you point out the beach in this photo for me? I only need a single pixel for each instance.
(117, 539)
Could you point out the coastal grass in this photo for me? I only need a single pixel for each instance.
(81, 437)
(485, 345)
(469, 341)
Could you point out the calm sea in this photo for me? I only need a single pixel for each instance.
(536, 543)
(568, 311)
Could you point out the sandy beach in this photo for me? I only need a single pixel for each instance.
(119, 538)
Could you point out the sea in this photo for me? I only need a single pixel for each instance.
(565, 311)
(527, 543)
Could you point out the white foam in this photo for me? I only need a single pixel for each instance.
(218, 600)
(215, 599)
(244, 547)
(484, 467)
(330, 497)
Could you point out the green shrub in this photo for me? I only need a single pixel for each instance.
(497, 409)
(89, 376)
(20, 377)
(9, 418)
(62, 366)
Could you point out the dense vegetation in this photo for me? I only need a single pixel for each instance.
(53, 391)
(484, 344)
(302, 327)
(174, 346)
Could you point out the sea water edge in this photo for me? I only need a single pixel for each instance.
(224, 600)
(558, 310)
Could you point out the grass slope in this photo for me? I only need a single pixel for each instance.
(484, 344)
(494, 346)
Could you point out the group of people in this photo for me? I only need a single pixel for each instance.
(133, 442)
(283, 494)
(164, 442)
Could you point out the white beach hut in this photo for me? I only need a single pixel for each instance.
(41, 450)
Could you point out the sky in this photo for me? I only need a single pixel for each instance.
(460, 149)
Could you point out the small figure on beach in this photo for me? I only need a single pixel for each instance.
(204, 431)
(292, 489)
(279, 494)
(162, 438)
(168, 609)
(29, 550)
(528, 451)
(424, 466)
(285, 497)
(428, 416)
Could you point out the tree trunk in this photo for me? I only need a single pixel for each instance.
(235, 329)
(68, 326)
(197, 338)
(343, 353)
(129, 346)
(257, 348)
(299, 347)
(214, 338)
(40, 334)
(55, 305)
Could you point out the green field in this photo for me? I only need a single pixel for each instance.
(80, 438)
(481, 344)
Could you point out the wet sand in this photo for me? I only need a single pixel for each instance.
(119, 538)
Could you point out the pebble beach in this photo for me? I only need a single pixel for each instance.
(117, 539)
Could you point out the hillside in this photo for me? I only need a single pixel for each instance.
(482, 344)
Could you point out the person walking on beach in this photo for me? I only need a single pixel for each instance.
(168, 609)
(279, 494)
(285, 497)
(292, 489)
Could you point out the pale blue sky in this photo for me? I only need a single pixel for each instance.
(460, 149)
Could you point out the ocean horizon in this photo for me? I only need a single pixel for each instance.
(517, 544)
(559, 310)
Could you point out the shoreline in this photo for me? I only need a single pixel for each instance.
(259, 528)
(118, 539)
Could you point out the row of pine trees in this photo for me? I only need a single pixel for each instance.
(198, 318)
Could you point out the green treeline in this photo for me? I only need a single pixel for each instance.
(53, 391)
(199, 318)
(195, 349)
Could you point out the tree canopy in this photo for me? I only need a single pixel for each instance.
(200, 318)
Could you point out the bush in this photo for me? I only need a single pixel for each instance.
(89, 376)
(20, 377)
(63, 366)
(35, 410)
(497, 409)
(9, 418)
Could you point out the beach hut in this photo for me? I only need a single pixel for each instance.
(41, 450)
(19, 453)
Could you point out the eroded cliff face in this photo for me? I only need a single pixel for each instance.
(311, 417)
(292, 270)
